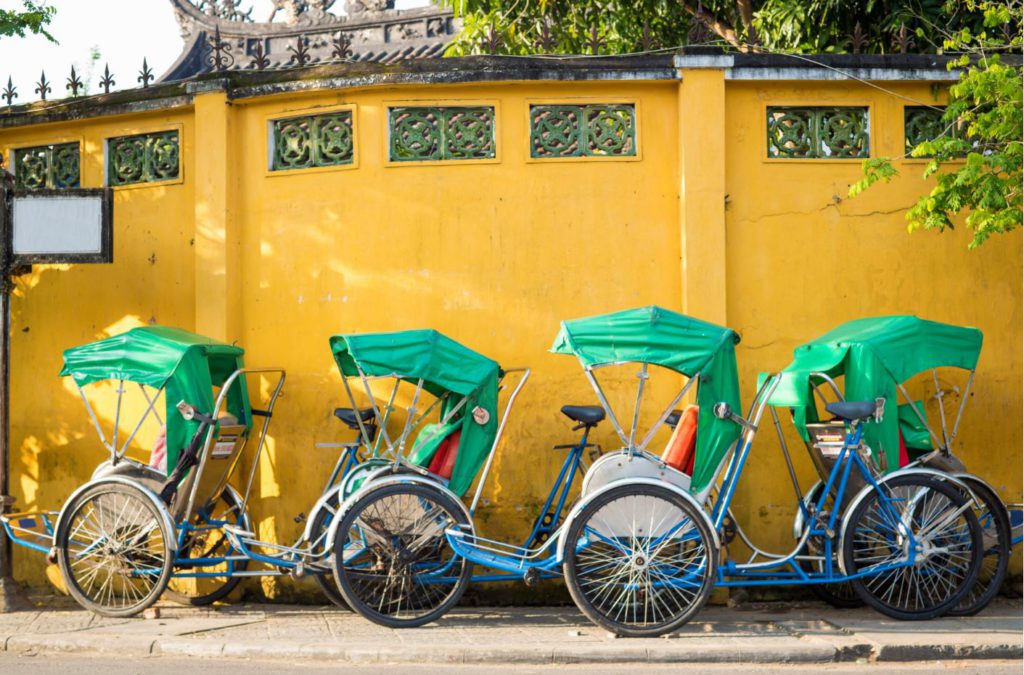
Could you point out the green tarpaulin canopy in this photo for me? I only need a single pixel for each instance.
(875, 355)
(189, 365)
(445, 366)
(686, 345)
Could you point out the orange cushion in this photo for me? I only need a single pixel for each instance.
(443, 462)
(679, 451)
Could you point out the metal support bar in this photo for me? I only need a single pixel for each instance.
(497, 437)
(117, 420)
(920, 415)
(355, 406)
(588, 371)
(408, 422)
(668, 410)
(785, 454)
(942, 410)
(960, 411)
(145, 395)
(131, 437)
(636, 407)
(96, 423)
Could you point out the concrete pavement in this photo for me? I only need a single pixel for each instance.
(795, 633)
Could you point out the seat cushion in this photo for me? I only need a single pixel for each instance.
(443, 462)
(679, 451)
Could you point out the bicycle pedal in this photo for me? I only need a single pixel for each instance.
(531, 577)
(301, 518)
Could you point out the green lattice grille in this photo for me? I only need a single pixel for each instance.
(144, 158)
(430, 134)
(921, 124)
(818, 133)
(47, 166)
(312, 141)
(583, 131)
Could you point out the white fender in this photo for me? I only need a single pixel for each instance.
(396, 479)
(624, 465)
(867, 489)
(161, 508)
(580, 505)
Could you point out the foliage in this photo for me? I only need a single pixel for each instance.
(622, 26)
(33, 18)
(977, 163)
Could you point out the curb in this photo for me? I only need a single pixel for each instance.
(727, 651)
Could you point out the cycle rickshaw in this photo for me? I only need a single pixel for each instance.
(392, 562)
(177, 522)
(640, 550)
(875, 358)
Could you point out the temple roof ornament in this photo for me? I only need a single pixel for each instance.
(222, 35)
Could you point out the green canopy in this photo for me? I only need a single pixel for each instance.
(681, 343)
(445, 366)
(875, 355)
(189, 365)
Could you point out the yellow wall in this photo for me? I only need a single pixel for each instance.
(495, 254)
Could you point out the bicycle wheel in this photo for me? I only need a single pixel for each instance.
(114, 549)
(640, 560)
(944, 531)
(392, 561)
(208, 541)
(995, 533)
(318, 543)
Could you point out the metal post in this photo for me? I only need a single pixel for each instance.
(11, 596)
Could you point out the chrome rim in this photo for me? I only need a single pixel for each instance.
(396, 559)
(640, 561)
(116, 550)
(941, 547)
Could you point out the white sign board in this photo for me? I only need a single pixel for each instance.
(61, 226)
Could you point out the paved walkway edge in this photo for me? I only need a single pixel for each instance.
(695, 651)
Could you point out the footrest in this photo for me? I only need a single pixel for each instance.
(32, 529)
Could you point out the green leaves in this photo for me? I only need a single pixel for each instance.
(32, 18)
(979, 169)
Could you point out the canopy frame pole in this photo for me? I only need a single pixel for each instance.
(145, 394)
(263, 439)
(942, 410)
(643, 376)
(831, 383)
(430, 408)
(387, 415)
(117, 421)
(359, 420)
(920, 415)
(376, 409)
(960, 411)
(199, 469)
(785, 453)
(497, 438)
(408, 423)
(668, 411)
(607, 406)
(131, 437)
(96, 423)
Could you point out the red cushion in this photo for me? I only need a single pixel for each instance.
(680, 449)
(443, 462)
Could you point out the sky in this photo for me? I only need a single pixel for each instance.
(122, 32)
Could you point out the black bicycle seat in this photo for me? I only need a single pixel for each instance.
(852, 410)
(348, 416)
(584, 414)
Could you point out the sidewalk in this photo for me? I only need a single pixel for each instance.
(764, 633)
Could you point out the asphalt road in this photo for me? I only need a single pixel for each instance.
(81, 665)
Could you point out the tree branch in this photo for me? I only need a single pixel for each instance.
(746, 8)
(719, 28)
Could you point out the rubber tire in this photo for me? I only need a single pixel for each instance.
(63, 558)
(325, 580)
(995, 505)
(352, 600)
(957, 497)
(575, 528)
(232, 582)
